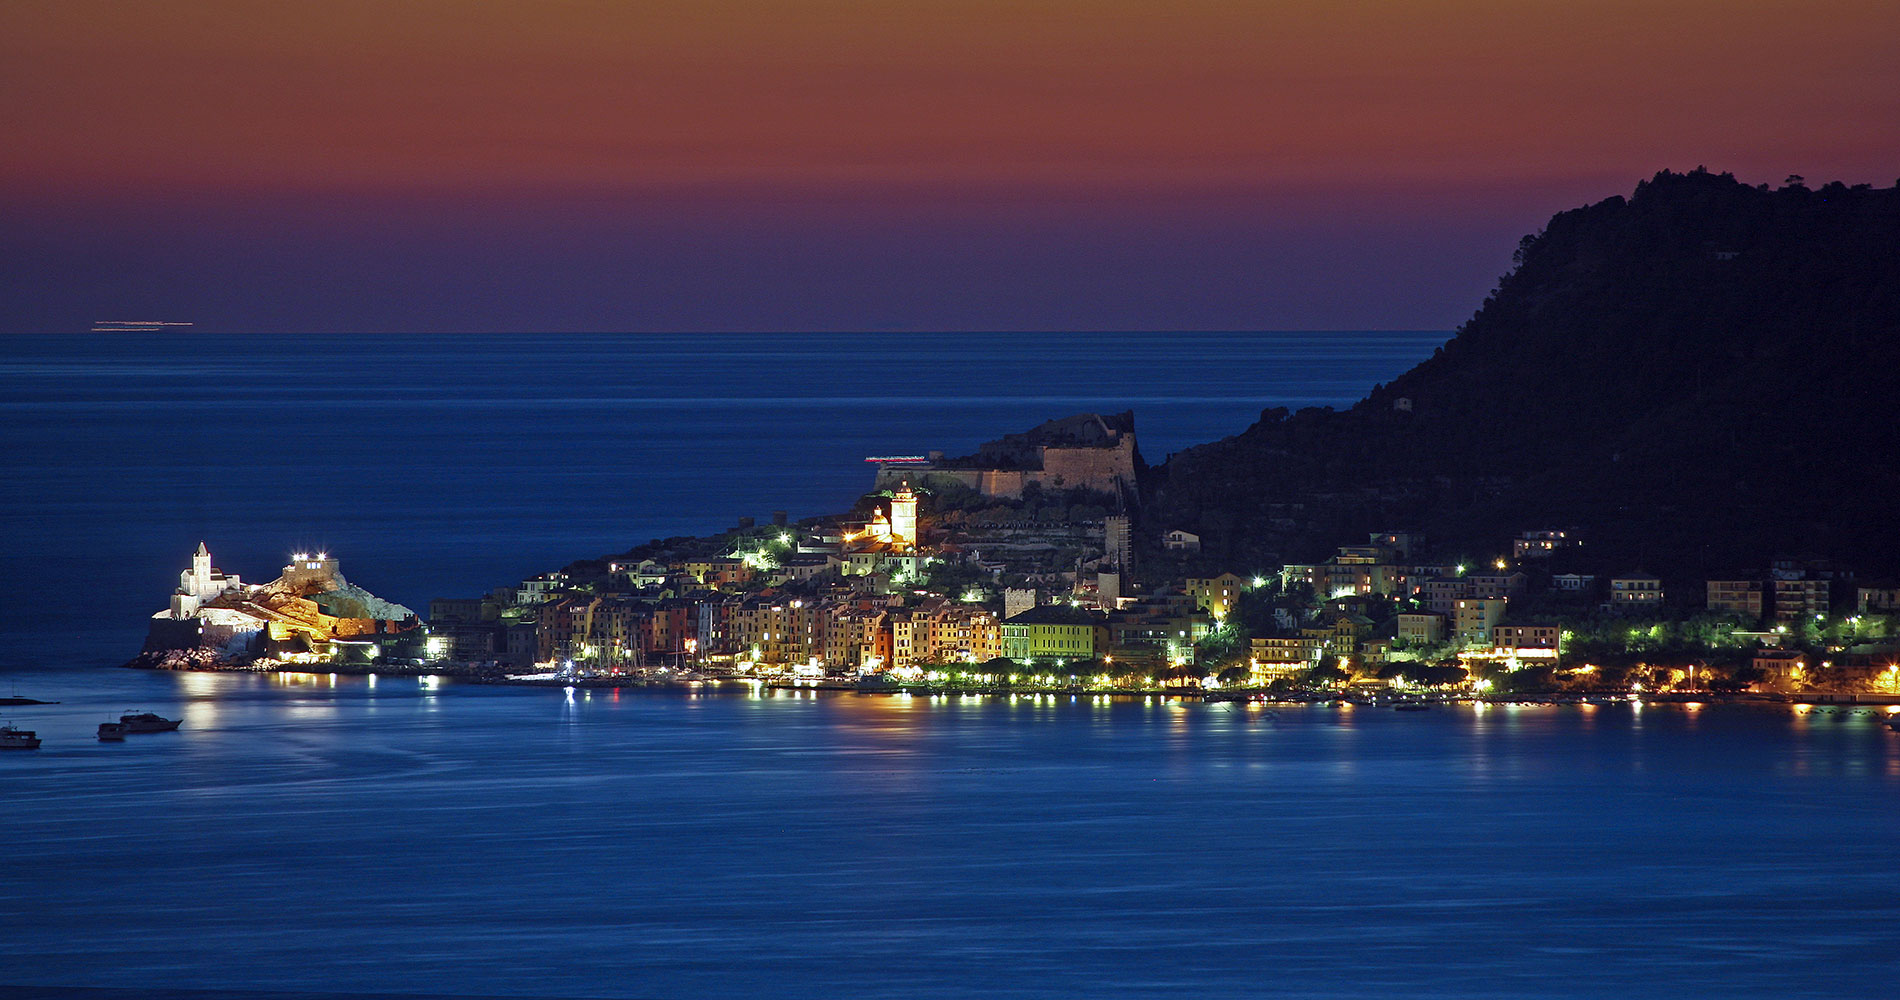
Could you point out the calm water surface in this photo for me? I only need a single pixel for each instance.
(308, 833)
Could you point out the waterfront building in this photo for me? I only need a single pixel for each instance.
(858, 636)
(905, 644)
(772, 628)
(1051, 632)
(944, 631)
(963, 633)
(1281, 653)
(1781, 668)
(604, 632)
(713, 630)
(466, 642)
(1153, 634)
(1527, 641)
(521, 642)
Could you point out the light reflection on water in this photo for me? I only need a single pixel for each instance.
(820, 844)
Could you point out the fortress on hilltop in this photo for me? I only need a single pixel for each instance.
(1088, 450)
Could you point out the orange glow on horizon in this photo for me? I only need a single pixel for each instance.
(853, 95)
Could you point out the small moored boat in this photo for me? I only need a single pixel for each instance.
(147, 722)
(12, 738)
(113, 731)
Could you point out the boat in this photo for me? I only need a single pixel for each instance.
(114, 731)
(12, 738)
(146, 722)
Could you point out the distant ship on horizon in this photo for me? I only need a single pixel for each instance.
(134, 325)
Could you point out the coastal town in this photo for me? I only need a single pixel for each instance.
(1027, 566)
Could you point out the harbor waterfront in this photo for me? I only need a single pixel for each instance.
(382, 828)
(933, 501)
(310, 832)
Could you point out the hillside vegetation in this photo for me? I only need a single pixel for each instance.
(1699, 377)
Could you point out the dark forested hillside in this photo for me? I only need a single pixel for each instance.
(1699, 376)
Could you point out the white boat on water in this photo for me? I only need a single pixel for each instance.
(147, 722)
(14, 738)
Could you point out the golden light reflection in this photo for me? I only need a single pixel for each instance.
(201, 685)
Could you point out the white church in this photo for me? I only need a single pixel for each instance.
(201, 583)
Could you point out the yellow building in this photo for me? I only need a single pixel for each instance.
(1051, 632)
(1473, 618)
(1218, 596)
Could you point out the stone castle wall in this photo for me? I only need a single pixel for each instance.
(1107, 469)
(1111, 470)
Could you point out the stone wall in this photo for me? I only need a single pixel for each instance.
(1109, 469)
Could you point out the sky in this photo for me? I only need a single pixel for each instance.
(770, 165)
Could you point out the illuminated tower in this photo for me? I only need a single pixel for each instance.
(201, 572)
(904, 517)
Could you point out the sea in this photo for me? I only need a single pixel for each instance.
(311, 834)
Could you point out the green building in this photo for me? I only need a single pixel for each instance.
(1052, 632)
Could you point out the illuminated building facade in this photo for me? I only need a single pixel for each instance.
(1218, 596)
(1527, 641)
(904, 518)
(1636, 591)
(1474, 617)
(1051, 632)
(201, 583)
